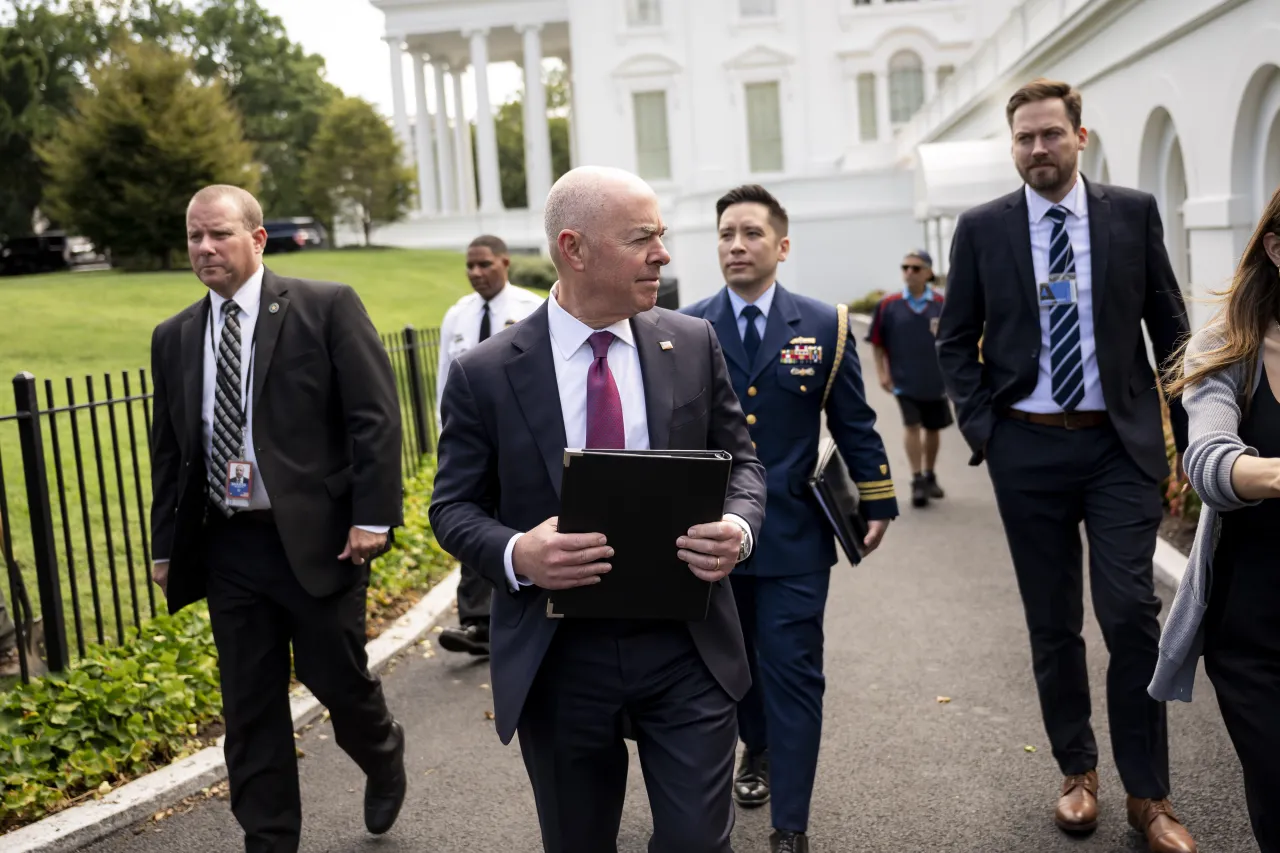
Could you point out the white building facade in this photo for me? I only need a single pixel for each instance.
(874, 121)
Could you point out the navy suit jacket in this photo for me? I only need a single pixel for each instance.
(991, 297)
(501, 457)
(784, 408)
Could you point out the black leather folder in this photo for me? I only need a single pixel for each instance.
(642, 501)
(836, 494)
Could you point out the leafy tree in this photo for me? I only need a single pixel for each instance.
(124, 167)
(509, 124)
(356, 173)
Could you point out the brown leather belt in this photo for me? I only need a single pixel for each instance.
(1066, 420)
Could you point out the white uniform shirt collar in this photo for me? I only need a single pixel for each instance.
(1075, 202)
(568, 333)
(247, 297)
(764, 303)
(499, 302)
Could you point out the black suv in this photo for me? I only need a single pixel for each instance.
(292, 235)
(51, 251)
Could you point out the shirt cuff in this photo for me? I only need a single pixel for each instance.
(513, 581)
(373, 528)
(155, 560)
(746, 531)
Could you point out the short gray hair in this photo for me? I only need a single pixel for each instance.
(250, 209)
(578, 199)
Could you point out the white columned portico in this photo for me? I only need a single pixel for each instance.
(427, 202)
(537, 134)
(486, 133)
(396, 53)
(445, 172)
(466, 168)
(884, 128)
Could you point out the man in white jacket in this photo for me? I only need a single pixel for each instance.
(495, 304)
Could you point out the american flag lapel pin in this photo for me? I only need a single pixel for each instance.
(666, 345)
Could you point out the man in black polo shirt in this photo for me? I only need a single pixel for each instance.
(902, 332)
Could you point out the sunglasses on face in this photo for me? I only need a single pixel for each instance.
(912, 267)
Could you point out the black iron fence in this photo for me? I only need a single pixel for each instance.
(75, 493)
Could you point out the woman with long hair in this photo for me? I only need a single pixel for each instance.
(1228, 603)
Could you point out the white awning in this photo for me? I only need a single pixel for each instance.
(952, 177)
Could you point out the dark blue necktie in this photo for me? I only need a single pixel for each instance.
(1064, 321)
(751, 337)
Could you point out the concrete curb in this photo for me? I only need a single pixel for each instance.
(84, 824)
(1170, 563)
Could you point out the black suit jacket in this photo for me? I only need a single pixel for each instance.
(501, 456)
(326, 431)
(991, 296)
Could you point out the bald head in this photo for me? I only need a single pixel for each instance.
(245, 203)
(585, 197)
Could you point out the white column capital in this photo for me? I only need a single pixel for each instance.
(529, 28)
(473, 32)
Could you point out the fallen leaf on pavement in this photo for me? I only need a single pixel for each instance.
(943, 700)
(488, 715)
(1029, 748)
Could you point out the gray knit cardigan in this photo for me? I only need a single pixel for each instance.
(1214, 411)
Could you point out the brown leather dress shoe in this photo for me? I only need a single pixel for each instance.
(1155, 819)
(1077, 809)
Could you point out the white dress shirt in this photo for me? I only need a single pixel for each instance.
(764, 303)
(1077, 224)
(460, 329)
(573, 357)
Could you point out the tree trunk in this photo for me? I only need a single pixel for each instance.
(368, 227)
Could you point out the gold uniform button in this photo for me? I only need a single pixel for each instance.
(751, 392)
(751, 419)
(803, 388)
(753, 447)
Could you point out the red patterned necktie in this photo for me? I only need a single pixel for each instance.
(604, 405)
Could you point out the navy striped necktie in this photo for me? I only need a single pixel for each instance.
(1064, 320)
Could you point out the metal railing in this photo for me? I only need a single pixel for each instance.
(79, 524)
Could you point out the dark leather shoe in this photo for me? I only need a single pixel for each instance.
(785, 841)
(472, 639)
(1077, 809)
(1155, 820)
(384, 795)
(751, 785)
(919, 491)
(935, 491)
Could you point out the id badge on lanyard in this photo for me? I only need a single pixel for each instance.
(1058, 291)
(238, 482)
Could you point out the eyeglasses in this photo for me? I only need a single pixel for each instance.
(912, 267)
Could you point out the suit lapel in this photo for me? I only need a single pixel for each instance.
(532, 374)
(195, 337)
(1099, 244)
(725, 323)
(657, 366)
(267, 331)
(1019, 229)
(784, 314)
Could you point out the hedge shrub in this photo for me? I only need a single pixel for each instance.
(122, 711)
(532, 272)
(867, 304)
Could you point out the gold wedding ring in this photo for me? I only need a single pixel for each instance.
(717, 564)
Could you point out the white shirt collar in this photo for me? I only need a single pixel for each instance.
(568, 333)
(247, 297)
(764, 303)
(1075, 202)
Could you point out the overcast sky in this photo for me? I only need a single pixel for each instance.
(348, 34)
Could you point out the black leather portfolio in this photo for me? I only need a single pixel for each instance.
(642, 501)
(838, 498)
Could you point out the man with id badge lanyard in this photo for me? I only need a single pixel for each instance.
(1058, 280)
(275, 480)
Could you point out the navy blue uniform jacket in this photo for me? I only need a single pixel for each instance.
(782, 402)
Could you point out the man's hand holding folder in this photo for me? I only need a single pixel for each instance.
(554, 560)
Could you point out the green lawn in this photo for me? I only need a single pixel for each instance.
(79, 324)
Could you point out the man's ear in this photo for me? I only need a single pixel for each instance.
(573, 249)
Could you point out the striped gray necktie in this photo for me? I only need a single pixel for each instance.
(228, 413)
(1064, 321)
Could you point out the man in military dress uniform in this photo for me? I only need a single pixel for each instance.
(779, 347)
(495, 304)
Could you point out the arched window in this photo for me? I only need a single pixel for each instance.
(906, 85)
(1163, 173)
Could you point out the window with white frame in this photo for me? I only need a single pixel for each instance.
(653, 142)
(906, 85)
(644, 13)
(758, 8)
(868, 127)
(764, 126)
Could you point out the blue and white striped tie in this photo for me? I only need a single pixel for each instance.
(1064, 321)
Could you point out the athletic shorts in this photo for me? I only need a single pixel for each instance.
(931, 414)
